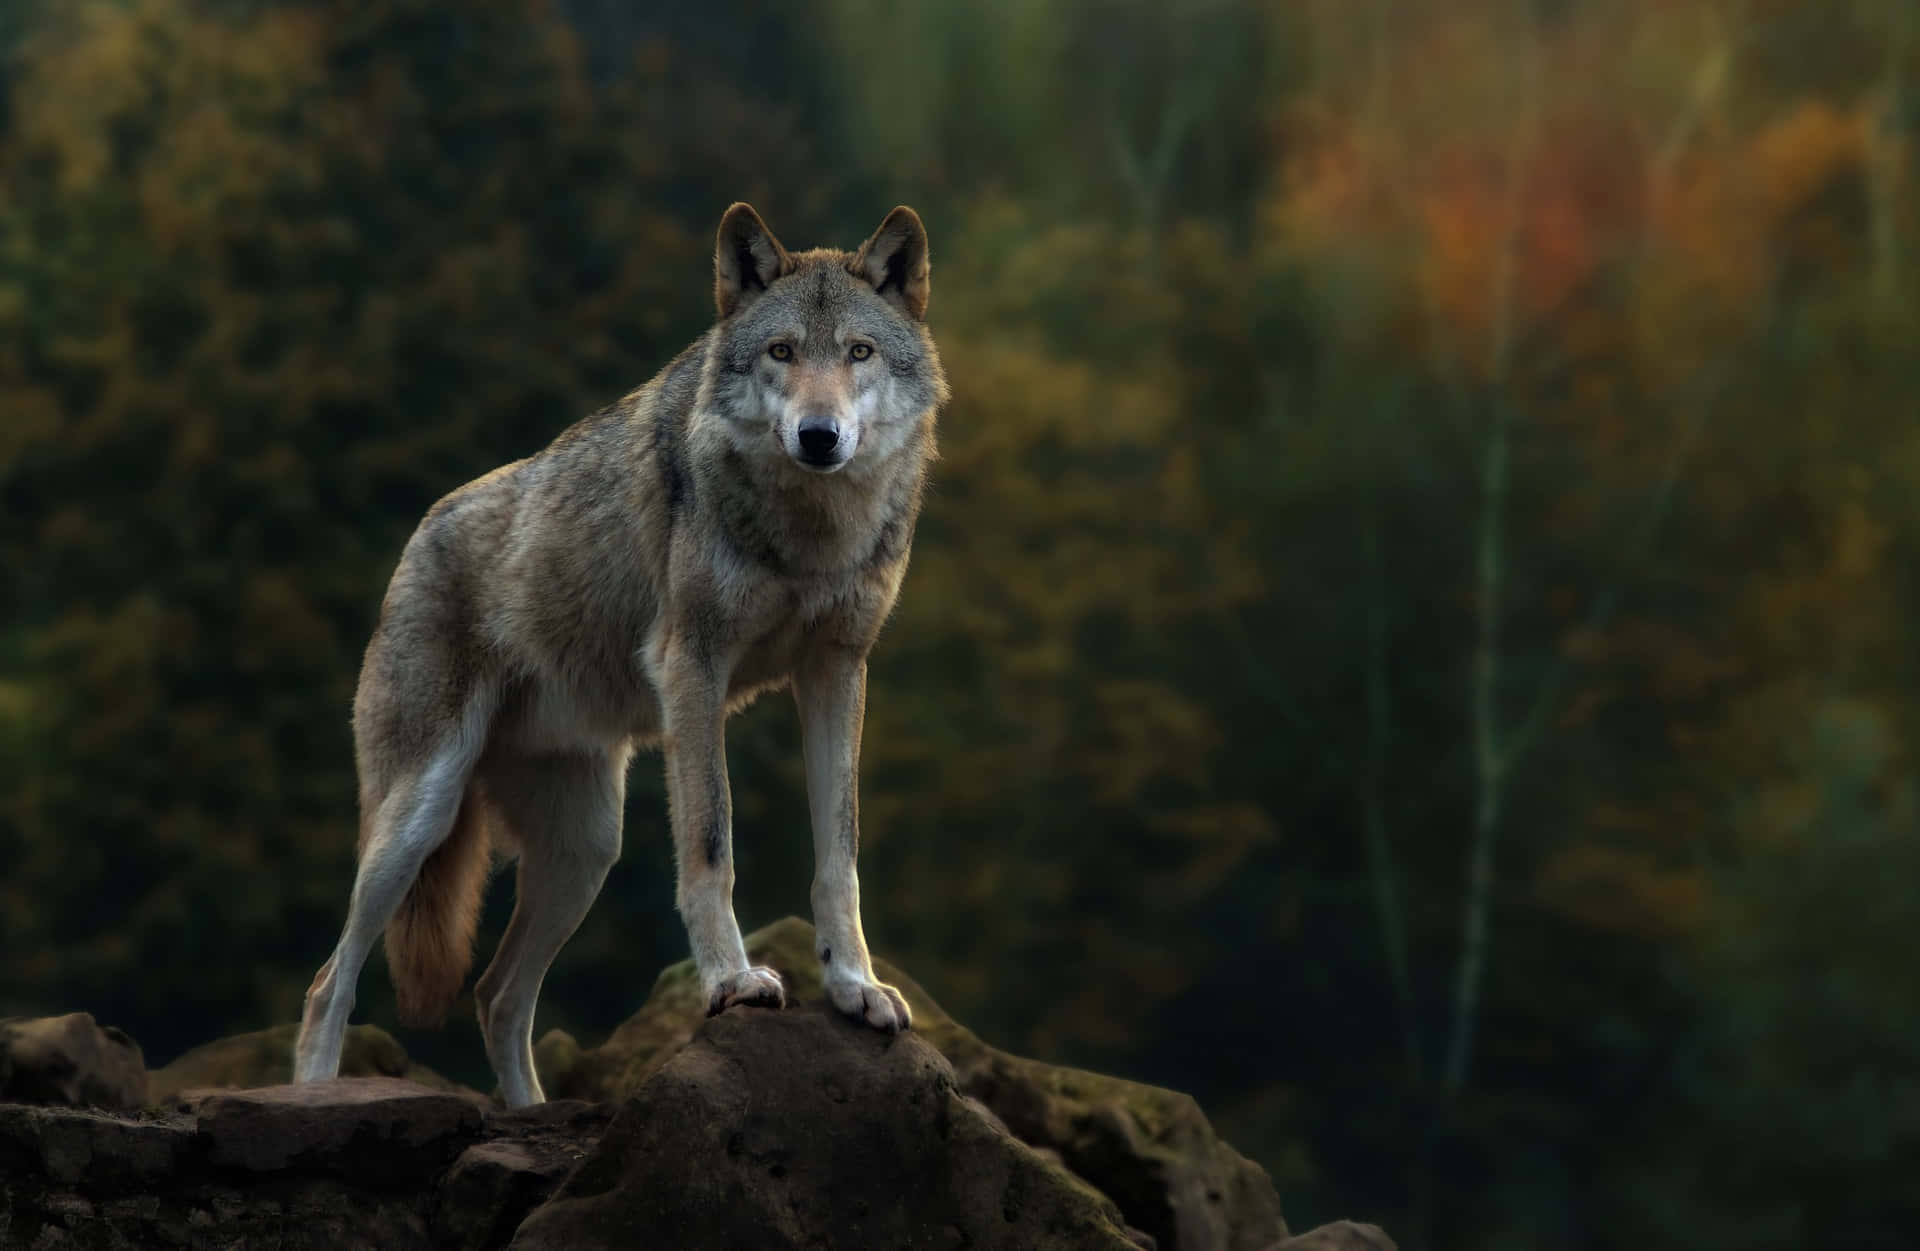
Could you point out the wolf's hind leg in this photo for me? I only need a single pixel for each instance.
(565, 812)
(414, 818)
(831, 692)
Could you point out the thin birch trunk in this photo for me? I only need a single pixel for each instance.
(1490, 579)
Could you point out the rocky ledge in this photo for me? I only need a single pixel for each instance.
(751, 1129)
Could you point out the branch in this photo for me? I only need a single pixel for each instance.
(1708, 81)
(1147, 176)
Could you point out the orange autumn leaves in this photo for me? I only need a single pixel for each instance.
(1509, 170)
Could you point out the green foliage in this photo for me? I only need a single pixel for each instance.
(269, 300)
(1797, 1112)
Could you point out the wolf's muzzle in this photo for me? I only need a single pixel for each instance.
(819, 441)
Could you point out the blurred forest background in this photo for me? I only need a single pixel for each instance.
(1413, 641)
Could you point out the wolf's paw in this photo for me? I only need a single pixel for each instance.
(757, 986)
(876, 1003)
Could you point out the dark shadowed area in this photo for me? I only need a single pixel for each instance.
(1412, 641)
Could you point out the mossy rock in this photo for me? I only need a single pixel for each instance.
(70, 1060)
(675, 1008)
(265, 1058)
(1150, 1150)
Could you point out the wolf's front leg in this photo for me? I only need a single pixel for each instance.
(700, 809)
(831, 690)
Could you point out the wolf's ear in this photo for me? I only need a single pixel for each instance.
(746, 260)
(894, 260)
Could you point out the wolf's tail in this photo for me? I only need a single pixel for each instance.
(430, 940)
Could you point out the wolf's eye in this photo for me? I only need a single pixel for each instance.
(781, 351)
(860, 351)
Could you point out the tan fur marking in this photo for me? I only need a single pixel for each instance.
(430, 941)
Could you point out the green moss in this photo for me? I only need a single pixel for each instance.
(265, 1058)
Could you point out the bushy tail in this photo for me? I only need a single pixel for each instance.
(430, 941)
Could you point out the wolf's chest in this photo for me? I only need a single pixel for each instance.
(787, 617)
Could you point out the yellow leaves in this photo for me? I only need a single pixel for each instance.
(277, 619)
(1026, 270)
(1626, 891)
(16, 707)
(111, 660)
(1794, 157)
(1859, 541)
(1328, 185)
(1054, 491)
(1723, 223)
(1832, 600)
(72, 531)
(1831, 764)
(176, 112)
(1084, 1013)
(1781, 809)
(1709, 248)
(93, 63)
(1215, 842)
(1069, 537)
(1145, 731)
(1039, 396)
(33, 415)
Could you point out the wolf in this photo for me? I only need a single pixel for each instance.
(739, 524)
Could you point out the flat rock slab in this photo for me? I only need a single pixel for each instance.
(69, 1146)
(72, 1178)
(373, 1128)
(347, 1163)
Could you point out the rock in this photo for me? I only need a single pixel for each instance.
(800, 1129)
(347, 1163)
(1151, 1150)
(370, 1128)
(71, 1061)
(489, 1191)
(767, 1129)
(496, 1182)
(337, 1164)
(265, 1058)
(1339, 1236)
(754, 1128)
(69, 1147)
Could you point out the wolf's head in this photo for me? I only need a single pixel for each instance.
(823, 356)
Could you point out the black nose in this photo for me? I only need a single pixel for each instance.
(818, 437)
